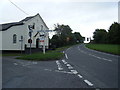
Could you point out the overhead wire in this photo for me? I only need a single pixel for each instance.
(18, 7)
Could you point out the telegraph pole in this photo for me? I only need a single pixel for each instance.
(30, 34)
(21, 40)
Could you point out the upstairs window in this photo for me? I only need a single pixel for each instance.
(21, 37)
(14, 38)
(33, 25)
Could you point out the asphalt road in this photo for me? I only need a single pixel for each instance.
(80, 68)
(101, 69)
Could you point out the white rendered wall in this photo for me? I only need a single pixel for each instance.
(38, 22)
(7, 38)
(22, 30)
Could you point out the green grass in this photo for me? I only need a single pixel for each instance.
(50, 55)
(109, 48)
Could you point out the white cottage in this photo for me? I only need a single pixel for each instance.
(15, 36)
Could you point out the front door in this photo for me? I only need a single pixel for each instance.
(37, 43)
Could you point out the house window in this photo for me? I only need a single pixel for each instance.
(33, 25)
(21, 37)
(14, 38)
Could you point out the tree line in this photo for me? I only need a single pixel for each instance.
(112, 36)
(64, 36)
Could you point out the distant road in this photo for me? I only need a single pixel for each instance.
(80, 68)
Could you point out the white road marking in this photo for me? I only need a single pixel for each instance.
(64, 72)
(34, 62)
(107, 59)
(63, 61)
(100, 58)
(48, 69)
(70, 67)
(101, 52)
(59, 65)
(95, 55)
(68, 48)
(79, 76)
(88, 82)
(66, 56)
(58, 71)
(15, 64)
(74, 71)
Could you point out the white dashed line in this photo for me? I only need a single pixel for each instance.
(74, 71)
(34, 62)
(95, 55)
(101, 52)
(79, 76)
(63, 61)
(15, 64)
(59, 65)
(100, 58)
(70, 67)
(107, 59)
(66, 56)
(64, 72)
(88, 82)
(47, 69)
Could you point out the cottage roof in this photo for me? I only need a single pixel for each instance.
(5, 26)
(8, 25)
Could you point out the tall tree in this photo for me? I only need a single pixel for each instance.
(100, 36)
(78, 37)
(114, 33)
(62, 29)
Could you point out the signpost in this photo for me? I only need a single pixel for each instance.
(30, 27)
(44, 35)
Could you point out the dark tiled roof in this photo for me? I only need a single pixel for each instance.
(8, 25)
(4, 27)
(27, 18)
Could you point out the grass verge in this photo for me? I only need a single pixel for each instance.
(109, 48)
(49, 55)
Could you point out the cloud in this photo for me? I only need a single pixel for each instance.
(83, 17)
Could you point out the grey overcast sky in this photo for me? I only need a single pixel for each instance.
(82, 16)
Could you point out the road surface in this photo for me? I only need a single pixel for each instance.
(80, 68)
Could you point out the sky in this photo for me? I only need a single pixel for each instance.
(82, 16)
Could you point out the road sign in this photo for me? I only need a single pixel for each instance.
(42, 35)
(31, 27)
(20, 40)
(41, 40)
(44, 30)
(29, 41)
